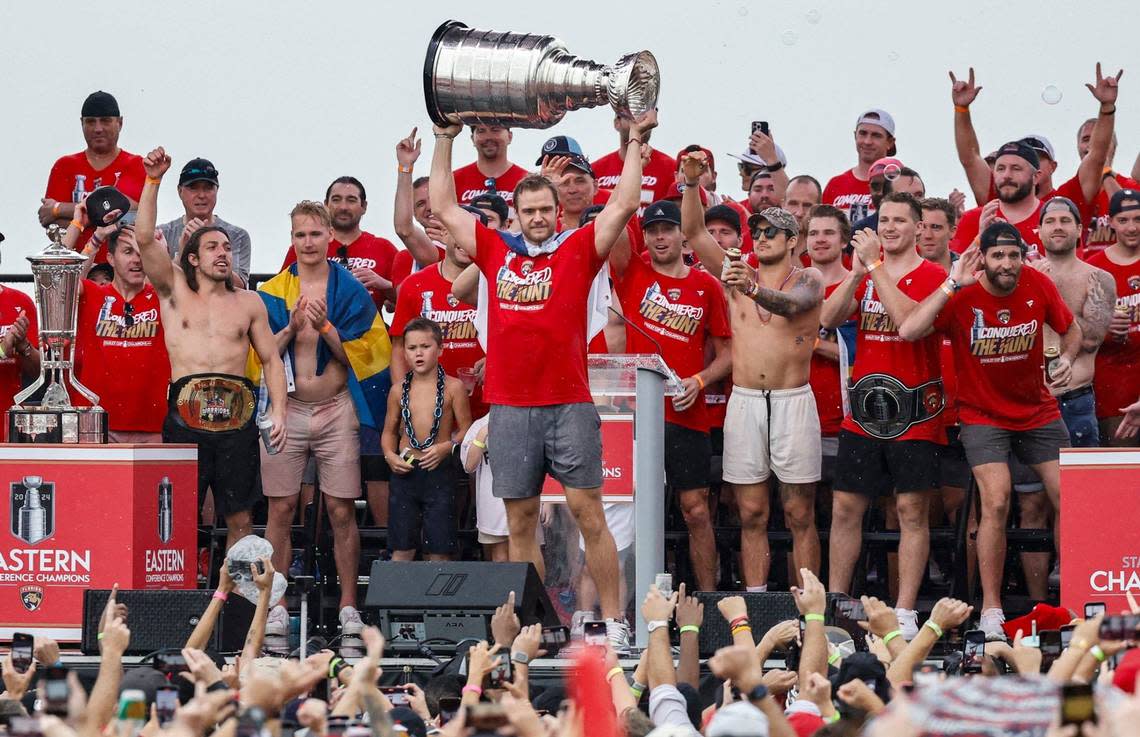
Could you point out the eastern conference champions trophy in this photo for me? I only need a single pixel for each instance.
(56, 272)
(524, 80)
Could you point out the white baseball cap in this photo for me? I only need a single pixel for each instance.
(876, 116)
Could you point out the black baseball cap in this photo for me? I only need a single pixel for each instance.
(590, 213)
(1001, 234)
(566, 146)
(662, 211)
(106, 205)
(494, 203)
(1116, 204)
(1057, 201)
(407, 721)
(1022, 149)
(481, 214)
(198, 170)
(100, 104)
(725, 214)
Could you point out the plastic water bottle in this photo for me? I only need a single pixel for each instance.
(265, 425)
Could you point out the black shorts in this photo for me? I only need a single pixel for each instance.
(228, 462)
(874, 467)
(688, 457)
(373, 467)
(421, 510)
(953, 469)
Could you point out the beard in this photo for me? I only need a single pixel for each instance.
(345, 221)
(1022, 191)
(1002, 279)
(1065, 247)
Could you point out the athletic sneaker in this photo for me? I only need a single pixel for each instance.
(908, 623)
(578, 623)
(277, 625)
(617, 630)
(991, 623)
(351, 625)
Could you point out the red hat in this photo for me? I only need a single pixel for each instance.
(804, 718)
(676, 192)
(1125, 676)
(693, 149)
(1047, 618)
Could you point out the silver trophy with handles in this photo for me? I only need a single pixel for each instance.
(525, 80)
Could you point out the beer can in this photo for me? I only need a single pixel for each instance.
(733, 254)
(1052, 355)
(265, 425)
(80, 188)
(1122, 312)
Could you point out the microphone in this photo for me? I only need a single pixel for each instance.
(641, 332)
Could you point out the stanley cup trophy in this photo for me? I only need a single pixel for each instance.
(524, 80)
(56, 272)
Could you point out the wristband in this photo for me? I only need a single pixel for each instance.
(946, 289)
(743, 619)
(638, 689)
(336, 665)
(814, 618)
(153, 180)
(775, 167)
(3, 353)
(450, 138)
(834, 658)
(78, 225)
(470, 688)
(479, 444)
(404, 169)
(324, 329)
(740, 629)
(891, 635)
(217, 686)
(220, 595)
(1098, 653)
(1109, 112)
(691, 628)
(700, 381)
(933, 627)
(639, 142)
(100, 637)
(832, 719)
(875, 265)
(961, 109)
(615, 671)
(55, 210)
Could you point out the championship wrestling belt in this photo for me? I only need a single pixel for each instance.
(214, 403)
(885, 408)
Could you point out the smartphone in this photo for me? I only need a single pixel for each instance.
(165, 703)
(1093, 608)
(973, 648)
(594, 633)
(56, 691)
(258, 567)
(503, 672)
(554, 638)
(1119, 627)
(1050, 648)
(24, 727)
(23, 646)
(486, 717)
(398, 695)
(448, 708)
(760, 125)
(171, 662)
(664, 582)
(1067, 635)
(1077, 704)
(852, 609)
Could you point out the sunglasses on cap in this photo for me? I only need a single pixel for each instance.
(199, 171)
(747, 169)
(769, 232)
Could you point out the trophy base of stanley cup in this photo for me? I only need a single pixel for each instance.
(49, 426)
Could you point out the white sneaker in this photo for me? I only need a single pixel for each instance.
(991, 623)
(351, 625)
(617, 631)
(578, 623)
(908, 623)
(277, 624)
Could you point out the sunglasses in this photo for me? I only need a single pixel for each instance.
(342, 254)
(747, 169)
(769, 232)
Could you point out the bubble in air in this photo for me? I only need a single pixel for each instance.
(742, 10)
(813, 16)
(892, 172)
(1051, 94)
(892, 56)
(789, 37)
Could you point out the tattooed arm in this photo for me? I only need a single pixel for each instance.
(1096, 312)
(806, 294)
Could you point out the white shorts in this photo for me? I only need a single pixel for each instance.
(785, 442)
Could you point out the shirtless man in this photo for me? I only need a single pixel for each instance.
(771, 425)
(209, 328)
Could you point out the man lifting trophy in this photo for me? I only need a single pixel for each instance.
(56, 272)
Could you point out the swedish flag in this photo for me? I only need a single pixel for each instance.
(362, 334)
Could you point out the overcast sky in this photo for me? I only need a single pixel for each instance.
(284, 96)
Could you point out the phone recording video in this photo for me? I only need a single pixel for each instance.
(973, 650)
(503, 671)
(594, 633)
(56, 691)
(1077, 704)
(554, 638)
(23, 647)
(1119, 627)
(165, 704)
(397, 695)
(1050, 648)
(1067, 635)
(1093, 608)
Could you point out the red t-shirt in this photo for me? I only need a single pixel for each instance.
(1099, 218)
(536, 321)
(826, 385)
(12, 302)
(470, 183)
(656, 178)
(125, 174)
(880, 350)
(949, 383)
(1116, 381)
(403, 264)
(968, 230)
(110, 353)
(366, 251)
(427, 293)
(850, 194)
(999, 351)
(680, 314)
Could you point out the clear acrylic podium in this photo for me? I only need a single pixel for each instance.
(629, 391)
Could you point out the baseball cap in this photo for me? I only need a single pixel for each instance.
(1056, 202)
(876, 116)
(752, 159)
(1001, 234)
(1040, 144)
(736, 719)
(863, 666)
(662, 211)
(1022, 149)
(693, 148)
(1125, 676)
(100, 104)
(1116, 204)
(590, 213)
(804, 717)
(106, 205)
(481, 214)
(677, 190)
(881, 165)
(198, 170)
(777, 216)
(725, 214)
(494, 203)
(566, 146)
(407, 721)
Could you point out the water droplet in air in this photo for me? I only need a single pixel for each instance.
(1051, 94)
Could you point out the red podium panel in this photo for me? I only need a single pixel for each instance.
(86, 517)
(1100, 538)
(617, 463)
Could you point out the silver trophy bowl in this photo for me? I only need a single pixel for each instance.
(523, 80)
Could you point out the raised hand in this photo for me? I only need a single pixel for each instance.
(408, 150)
(881, 619)
(156, 163)
(812, 598)
(656, 607)
(963, 93)
(990, 214)
(554, 167)
(763, 146)
(965, 269)
(640, 126)
(505, 622)
(451, 131)
(1106, 88)
(264, 578)
(868, 247)
(957, 198)
(949, 613)
(693, 165)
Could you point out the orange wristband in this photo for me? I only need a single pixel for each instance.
(325, 328)
(700, 381)
(153, 180)
(55, 210)
(78, 225)
(404, 169)
(961, 109)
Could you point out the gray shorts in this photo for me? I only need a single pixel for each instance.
(525, 443)
(989, 444)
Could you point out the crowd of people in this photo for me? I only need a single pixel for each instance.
(856, 340)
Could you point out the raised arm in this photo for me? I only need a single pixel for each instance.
(805, 295)
(978, 174)
(156, 261)
(811, 600)
(920, 322)
(627, 195)
(1091, 169)
(255, 638)
(413, 238)
(947, 614)
(205, 627)
(441, 189)
(693, 215)
(264, 343)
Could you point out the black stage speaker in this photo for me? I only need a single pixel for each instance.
(766, 609)
(444, 603)
(166, 618)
